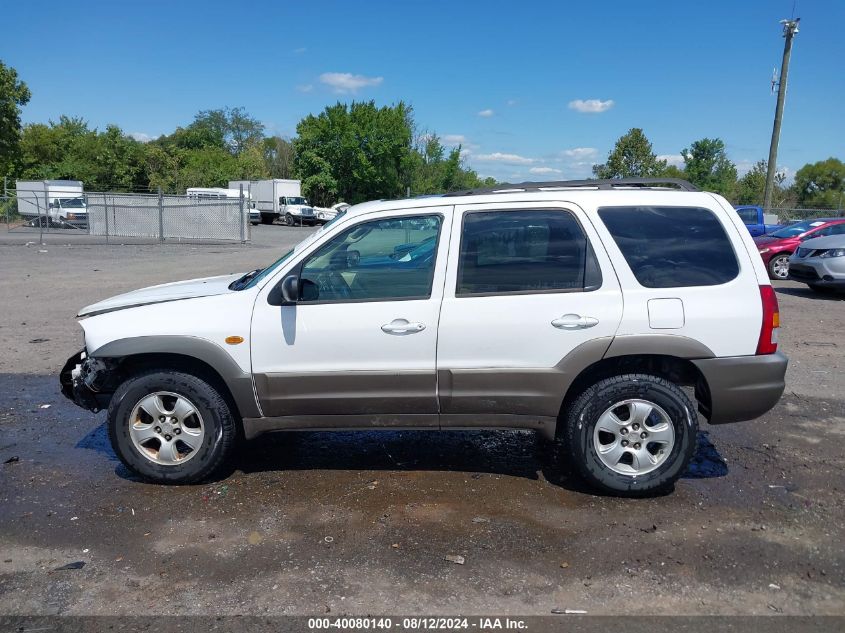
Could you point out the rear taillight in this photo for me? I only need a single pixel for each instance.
(768, 342)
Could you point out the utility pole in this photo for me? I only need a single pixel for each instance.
(790, 28)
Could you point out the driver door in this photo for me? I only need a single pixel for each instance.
(359, 344)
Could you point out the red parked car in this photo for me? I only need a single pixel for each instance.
(775, 248)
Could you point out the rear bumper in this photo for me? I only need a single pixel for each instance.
(742, 387)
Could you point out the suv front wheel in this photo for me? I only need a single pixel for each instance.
(171, 427)
(631, 435)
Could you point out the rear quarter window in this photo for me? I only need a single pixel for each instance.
(672, 247)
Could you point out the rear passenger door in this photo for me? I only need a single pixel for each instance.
(526, 286)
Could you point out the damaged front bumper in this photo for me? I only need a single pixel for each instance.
(82, 380)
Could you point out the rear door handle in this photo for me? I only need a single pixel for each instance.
(402, 326)
(574, 322)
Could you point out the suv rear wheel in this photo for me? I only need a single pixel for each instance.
(170, 427)
(631, 435)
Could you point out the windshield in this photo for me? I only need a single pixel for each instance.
(337, 217)
(297, 201)
(266, 272)
(72, 203)
(794, 230)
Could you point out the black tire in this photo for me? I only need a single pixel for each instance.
(220, 434)
(288, 219)
(582, 416)
(267, 218)
(774, 262)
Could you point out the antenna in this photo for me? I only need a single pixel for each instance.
(775, 79)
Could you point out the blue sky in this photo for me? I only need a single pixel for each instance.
(533, 90)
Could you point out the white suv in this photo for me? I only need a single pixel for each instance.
(578, 309)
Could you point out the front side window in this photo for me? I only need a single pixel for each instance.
(391, 258)
(672, 247)
(524, 251)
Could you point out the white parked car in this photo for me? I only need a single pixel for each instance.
(579, 310)
(327, 214)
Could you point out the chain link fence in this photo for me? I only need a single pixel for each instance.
(788, 216)
(127, 215)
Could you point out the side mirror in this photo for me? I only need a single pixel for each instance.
(290, 289)
(286, 292)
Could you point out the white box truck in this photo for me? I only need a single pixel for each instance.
(53, 202)
(216, 193)
(278, 199)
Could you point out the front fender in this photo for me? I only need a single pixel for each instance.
(239, 383)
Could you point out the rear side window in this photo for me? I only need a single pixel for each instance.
(748, 215)
(524, 251)
(672, 247)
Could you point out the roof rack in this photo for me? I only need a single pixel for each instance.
(609, 184)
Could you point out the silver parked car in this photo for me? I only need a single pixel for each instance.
(820, 263)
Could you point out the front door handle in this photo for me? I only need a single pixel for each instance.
(402, 326)
(574, 322)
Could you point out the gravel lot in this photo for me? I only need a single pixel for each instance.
(360, 522)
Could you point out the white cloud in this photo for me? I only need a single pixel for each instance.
(347, 82)
(591, 106)
(454, 139)
(545, 170)
(305, 87)
(486, 113)
(673, 159)
(509, 159)
(580, 153)
(141, 137)
(299, 51)
(512, 102)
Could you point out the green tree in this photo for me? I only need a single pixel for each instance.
(432, 169)
(13, 95)
(821, 184)
(69, 149)
(366, 149)
(231, 129)
(320, 186)
(278, 157)
(673, 171)
(631, 157)
(708, 167)
(752, 186)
